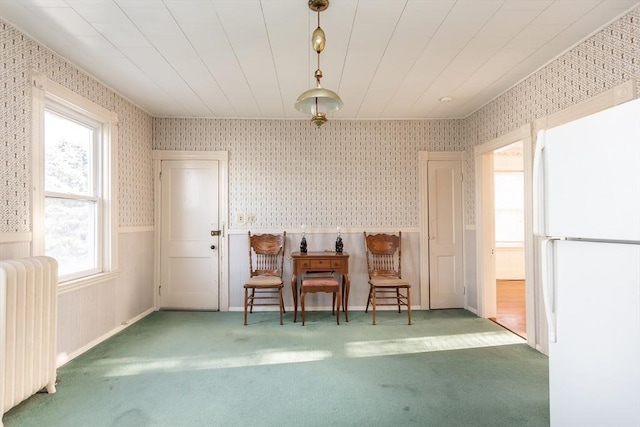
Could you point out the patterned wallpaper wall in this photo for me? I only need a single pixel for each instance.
(288, 172)
(605, 60)
(19, 56)
(135, 166)
(610, 57)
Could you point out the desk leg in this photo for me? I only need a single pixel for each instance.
(294, 292)
(345, 305)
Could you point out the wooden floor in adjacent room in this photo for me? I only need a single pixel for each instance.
(511, 311)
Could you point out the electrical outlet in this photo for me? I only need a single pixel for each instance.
(241, 218)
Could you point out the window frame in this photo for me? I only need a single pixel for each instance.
(48, 95)
(94, 192)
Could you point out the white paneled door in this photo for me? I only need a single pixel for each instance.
(446, 281)
(189, 235)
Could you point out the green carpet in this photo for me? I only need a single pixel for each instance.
(450, 368)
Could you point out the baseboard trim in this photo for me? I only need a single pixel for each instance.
(473, 310)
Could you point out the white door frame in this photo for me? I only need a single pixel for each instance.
(223, 208)
(423, 158)
(486, 292)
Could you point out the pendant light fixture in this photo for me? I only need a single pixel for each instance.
(318, 101)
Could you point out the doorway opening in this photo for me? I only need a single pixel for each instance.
(504, 238)
(508, 184)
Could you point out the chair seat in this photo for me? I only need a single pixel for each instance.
(327, 284)
(389, 281)
(320, 284)
(264, 282)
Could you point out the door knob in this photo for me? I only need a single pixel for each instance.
(213, 246)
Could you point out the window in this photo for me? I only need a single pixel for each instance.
(72, 214)
(509, 212)
(73, 205)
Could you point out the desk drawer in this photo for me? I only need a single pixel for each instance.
(325, 264)
(337, 264)
(319, 263)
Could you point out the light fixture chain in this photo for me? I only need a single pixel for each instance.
(318, 75)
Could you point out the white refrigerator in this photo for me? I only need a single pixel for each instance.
(587, 227)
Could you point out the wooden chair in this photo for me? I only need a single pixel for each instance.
(386, 286)
(315, 284)
(266, 261)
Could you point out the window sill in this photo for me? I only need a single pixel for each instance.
(77, 284)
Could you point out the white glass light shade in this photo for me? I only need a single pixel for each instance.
(318, 100)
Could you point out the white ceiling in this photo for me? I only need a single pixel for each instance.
(252, 58)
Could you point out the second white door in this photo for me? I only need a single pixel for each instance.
(446, 280)
(189, 236)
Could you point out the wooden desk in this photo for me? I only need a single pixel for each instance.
(320, 262)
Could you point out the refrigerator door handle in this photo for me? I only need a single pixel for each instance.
(539, 185)
(548, 285)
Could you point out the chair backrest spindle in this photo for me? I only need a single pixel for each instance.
(383, 254)
(266, 254)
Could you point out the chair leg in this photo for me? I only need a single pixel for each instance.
(246, 296)
(302, 306)
(253, 295)
(398, 298)
(337, 298)
(333, 303)
(281, 304)
(409, 305)
(368, 298)
(284, 310)
(373, 303)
